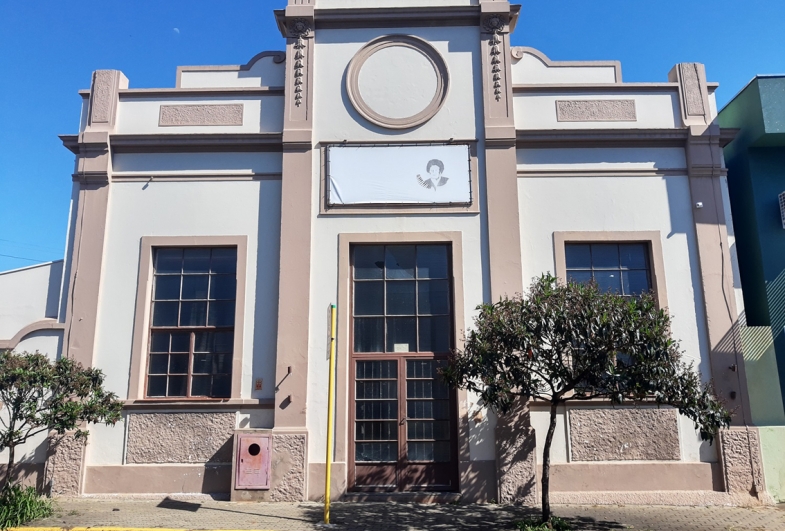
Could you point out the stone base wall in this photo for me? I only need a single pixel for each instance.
(624, 434)
(158, 479)
(63, 476)
(288, 470)
(155, 438)
(516, 457)
(742, 463)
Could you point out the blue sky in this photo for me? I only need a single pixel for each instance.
(49, 48)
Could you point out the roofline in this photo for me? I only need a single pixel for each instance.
(25, 268)
(757, 76)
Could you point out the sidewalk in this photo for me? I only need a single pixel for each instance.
(203, 513)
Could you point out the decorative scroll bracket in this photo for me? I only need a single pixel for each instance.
(495, 25)
(299, 29)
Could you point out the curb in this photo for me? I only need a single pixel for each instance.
(106, 528)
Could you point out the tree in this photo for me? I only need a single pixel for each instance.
(39, 395)
(571, 342)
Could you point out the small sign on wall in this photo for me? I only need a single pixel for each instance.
(426, 174)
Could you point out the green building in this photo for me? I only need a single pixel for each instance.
(756, 184)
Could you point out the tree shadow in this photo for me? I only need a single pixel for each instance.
(413, 516)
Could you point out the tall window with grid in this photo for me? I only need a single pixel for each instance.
(192, 326)
(622, 268)
(403, 413)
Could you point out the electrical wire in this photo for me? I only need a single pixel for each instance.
(24, 258)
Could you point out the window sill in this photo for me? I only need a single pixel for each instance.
(168, 403)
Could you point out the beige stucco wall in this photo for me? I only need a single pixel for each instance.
(28, 295)
(640, 203)
(140, 115)
(265, 72)
(532, 69)
(654, 109)
(190, 209)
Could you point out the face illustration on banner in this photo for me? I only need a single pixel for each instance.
(434, 178)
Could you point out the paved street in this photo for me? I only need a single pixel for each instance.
(203, 513)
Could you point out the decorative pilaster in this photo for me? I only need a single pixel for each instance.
(93, 174)
(515, 443)
(501, 165)
(296, 24)
(740, 447)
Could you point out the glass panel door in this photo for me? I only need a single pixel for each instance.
(403, 427)
(430, 452)
(376, 423)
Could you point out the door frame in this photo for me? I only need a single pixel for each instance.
(344, 382)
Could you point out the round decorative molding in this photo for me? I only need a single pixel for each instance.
(410, 43)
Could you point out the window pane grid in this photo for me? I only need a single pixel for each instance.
(428, 419)
(402, 298)
(376, 411)
(619, 267)
(192, 328)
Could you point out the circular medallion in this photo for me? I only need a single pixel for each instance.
(397, 81)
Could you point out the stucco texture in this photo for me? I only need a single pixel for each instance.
(180, 438)
(64, 467)
(287, 472)
(742, 464)
(174, 115)
(516, 457)
(605, 434)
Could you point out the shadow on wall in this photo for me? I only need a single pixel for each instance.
(760, 364)
(265, 316)
(27, 474)
(775, 293)
(516, 455)
(682, 223)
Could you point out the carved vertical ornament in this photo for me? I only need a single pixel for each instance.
(299, 29)
(495, 24)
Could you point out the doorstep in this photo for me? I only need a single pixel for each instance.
(402, 497)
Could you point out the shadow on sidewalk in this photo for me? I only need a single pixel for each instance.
(390, 516)
(413, 516)
(192, 507)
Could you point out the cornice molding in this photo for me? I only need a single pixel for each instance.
(605, 88)
(185, 143)
(396, 17)
(196, 405)
(601, 137)
(200, 92)
(44, 324)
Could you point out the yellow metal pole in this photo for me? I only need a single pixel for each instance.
(330, 414)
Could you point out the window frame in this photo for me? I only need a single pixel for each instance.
(137, 388)
(345, 360)
(385, 315)
(652, 239)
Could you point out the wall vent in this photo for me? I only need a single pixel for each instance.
(782, 209)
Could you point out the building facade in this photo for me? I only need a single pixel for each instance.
(405, 163)
(756, 164)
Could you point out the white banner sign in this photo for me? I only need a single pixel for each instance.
(425, 174)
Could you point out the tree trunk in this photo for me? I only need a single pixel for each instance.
(546, 465)
(10, 468)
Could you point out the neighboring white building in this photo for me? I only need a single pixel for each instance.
(405, 163)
